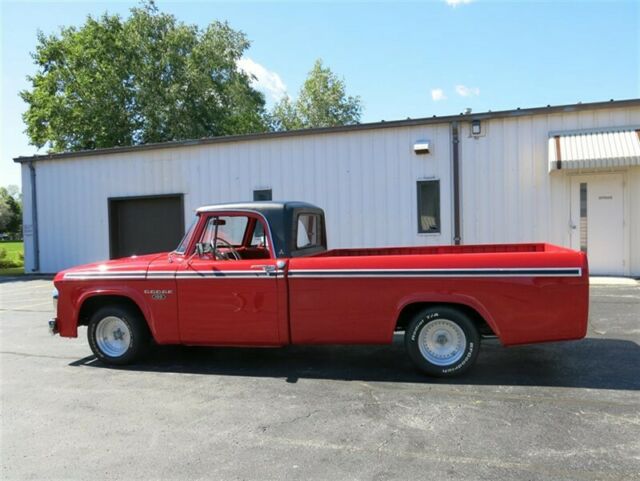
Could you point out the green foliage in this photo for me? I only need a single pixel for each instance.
(11, 255)
(146, 78)
(10, 210)
(322, 102)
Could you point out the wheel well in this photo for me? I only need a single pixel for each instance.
(94, 303)
(411, 310)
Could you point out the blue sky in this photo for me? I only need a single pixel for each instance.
(412, 59)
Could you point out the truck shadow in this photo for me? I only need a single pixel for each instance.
(590, 363)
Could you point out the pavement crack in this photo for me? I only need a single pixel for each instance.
(264, 427)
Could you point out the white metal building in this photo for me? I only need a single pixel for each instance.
(569, 175)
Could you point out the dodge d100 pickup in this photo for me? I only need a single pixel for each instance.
(260, 274)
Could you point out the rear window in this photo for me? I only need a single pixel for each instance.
(308, 233)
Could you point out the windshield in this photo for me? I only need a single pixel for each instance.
(185, 240)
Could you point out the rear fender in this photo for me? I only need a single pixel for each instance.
(441, 298)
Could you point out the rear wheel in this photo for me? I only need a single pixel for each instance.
(118, 335)
(442, 341)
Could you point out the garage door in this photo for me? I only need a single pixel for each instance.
(143, 225)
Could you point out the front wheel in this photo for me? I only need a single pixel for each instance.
(118, 335)
(442, 341)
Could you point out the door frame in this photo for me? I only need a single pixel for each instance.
(111, 201)
(626, 246)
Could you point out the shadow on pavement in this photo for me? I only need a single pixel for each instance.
(590, 363)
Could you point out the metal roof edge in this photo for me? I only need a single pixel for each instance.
(340, 129)
(594, 130)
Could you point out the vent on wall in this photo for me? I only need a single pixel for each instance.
(422, 147)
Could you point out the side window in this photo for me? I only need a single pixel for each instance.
(428, 206)
(308, 231)
(259, 238)
(231, 229)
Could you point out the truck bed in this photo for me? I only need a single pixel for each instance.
(530, 292)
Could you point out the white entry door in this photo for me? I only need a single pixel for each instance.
(597, 221)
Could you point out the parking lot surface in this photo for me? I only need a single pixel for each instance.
(545, 412)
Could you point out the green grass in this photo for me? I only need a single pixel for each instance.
(13, 249)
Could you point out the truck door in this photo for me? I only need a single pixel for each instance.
(230, 296)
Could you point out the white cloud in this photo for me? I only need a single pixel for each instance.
(264, 80)
(465, 91)
(438, 94)
(455, 3)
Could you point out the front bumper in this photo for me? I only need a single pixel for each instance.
(53, 326)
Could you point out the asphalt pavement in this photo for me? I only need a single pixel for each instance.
(558, 411)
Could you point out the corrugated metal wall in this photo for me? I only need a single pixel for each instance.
(365, 180)
(508, 194)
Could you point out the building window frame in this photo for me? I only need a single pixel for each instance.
(437, 230)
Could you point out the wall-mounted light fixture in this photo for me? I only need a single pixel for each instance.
(422, 147)
(476, 128)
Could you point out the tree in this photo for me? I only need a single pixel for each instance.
(147, 78)
(10, 210)
(322, 102)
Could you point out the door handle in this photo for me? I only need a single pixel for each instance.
(268, 268)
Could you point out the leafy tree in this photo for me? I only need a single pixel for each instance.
(146, 78)
(322, 102)
(10, 210)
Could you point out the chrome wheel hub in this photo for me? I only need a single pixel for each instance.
(442, 342)
(113, 336)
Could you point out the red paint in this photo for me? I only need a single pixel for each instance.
(272, 310)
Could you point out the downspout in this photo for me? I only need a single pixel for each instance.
(455, 141)
(34, 218)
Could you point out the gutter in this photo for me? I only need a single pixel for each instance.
(34, 217)
(455, 149)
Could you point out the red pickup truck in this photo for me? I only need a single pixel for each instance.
(260, 274)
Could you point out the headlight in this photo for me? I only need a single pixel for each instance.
(54, 294)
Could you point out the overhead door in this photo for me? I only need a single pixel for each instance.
(144, 225)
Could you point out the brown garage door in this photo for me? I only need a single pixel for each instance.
(143, 225)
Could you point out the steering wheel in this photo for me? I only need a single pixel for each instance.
(225, 255)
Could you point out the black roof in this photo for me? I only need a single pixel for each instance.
(549, 109)
(281, 220)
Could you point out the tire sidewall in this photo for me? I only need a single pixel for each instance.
(132, 322)
(421, 320)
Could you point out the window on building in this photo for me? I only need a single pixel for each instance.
(428, 206)
(583, 217)
(263, 194)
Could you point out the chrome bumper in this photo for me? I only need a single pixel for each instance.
(53, 326)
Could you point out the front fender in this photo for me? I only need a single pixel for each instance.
(70, 306)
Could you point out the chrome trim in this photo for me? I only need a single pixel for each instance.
(461, 272)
